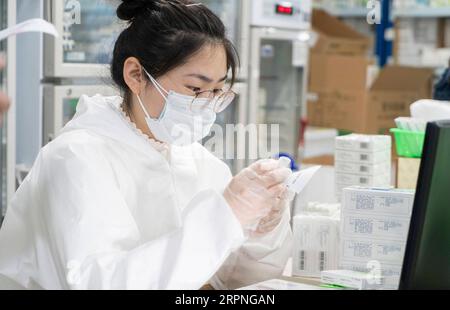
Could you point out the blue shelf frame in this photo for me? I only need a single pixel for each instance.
(384, 46)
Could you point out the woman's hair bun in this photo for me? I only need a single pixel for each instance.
(130, 9)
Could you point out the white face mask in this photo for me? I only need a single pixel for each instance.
(183, 121)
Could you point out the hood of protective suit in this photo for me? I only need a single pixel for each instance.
(103, 116)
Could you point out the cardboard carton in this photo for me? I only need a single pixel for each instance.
(335, 37)
(372, 111)
(407, 172)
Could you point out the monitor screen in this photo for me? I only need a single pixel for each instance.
(427, 256)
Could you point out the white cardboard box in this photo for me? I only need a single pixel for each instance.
(390, 272)
(346, 179)
(352, 279)
(375, 226)
(378, 201)
(363, 143)
(316, 244)
(387, 251)
(381, 181)
(382, 168)
(363, 157)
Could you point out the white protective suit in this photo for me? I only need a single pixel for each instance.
(104, 207)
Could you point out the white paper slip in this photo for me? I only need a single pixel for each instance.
(31, 25)
(298, 181)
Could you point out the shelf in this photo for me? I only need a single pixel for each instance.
(423, 12)
(417, 12)
(351, 12)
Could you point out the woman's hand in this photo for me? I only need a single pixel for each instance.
(256, 192)
(273, 219)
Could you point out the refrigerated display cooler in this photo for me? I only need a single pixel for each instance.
(7, 125)
(3, 131)
(85, 47)
(235, 14)
(280, 36)
(88, 31)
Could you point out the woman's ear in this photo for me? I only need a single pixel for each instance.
(133, 76)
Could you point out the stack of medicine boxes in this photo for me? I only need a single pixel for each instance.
(362, 160)
(374, 230)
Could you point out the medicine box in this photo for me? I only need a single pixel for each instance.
(390, 273)
(388, 251)
(316, 244)
(378, 201)
(382, 180)
(352, 279)
(363, 169)
(363, 157)
(358, 143)
(375, 226)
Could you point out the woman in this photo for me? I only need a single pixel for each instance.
(123, 198)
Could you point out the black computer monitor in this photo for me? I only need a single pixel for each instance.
(427, 258)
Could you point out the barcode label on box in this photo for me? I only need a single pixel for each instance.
(302, 260)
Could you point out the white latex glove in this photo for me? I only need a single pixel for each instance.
(254, 192)
(273, 219)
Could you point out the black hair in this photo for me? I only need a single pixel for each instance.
(164, 34)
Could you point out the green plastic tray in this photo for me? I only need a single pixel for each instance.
(409, 143)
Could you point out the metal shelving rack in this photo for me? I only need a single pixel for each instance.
(423, 12)
(384, 45)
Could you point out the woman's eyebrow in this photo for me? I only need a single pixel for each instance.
(205, 78)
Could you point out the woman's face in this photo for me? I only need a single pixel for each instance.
(206, 70)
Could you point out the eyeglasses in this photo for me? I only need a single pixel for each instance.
(218, 100)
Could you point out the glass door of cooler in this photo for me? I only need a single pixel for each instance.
(60, 104)
(88, 30)
(235, 16)
(277, 87)
(7, 125)
(224, 141)
(3, 124)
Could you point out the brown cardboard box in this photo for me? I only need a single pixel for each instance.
(338, 109)
(335, 104)
(338, 82)
(337, 72)
(335, 90)
(336, 37)
(392, 93)
(407, 172)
